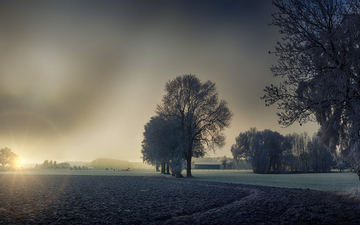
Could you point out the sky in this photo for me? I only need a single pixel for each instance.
(80, 79)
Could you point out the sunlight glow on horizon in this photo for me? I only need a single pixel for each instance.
(80, 84)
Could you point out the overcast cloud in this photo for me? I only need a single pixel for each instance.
(80, 79)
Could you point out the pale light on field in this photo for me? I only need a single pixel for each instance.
(18, 162)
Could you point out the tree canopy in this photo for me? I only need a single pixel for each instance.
(319, 61)
(263, 149)
(162, 144)
(195, 116)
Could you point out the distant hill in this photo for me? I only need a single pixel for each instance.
(103, 163)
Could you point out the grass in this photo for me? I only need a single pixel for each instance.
(84, 172)
(316, 181)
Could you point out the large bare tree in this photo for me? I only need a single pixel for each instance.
(200, 116)
(319, 61)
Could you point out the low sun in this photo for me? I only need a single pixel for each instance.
(17, 162)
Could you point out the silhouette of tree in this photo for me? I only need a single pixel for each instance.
(161, 145)
(263, 149)
(319, 61)
(7, 157)
(197, 115)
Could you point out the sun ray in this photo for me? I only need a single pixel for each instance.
(22, 145)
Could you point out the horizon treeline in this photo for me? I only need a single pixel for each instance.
(50, 164)
(270, 152)
(100, 164)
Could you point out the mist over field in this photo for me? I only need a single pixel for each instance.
(79, 80)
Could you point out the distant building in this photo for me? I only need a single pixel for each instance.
(208, 165)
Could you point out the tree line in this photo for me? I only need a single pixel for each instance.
(99, 164)
(50, 164)
(270, 152)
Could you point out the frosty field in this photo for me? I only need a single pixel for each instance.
(316, 181)
(98, 199)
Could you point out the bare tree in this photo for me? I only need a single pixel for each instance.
(201, 116)
(319, 61)
(300, 152)
(242, 145)
(308, 155)
(262, 149)
(320, 158)
(266, 151)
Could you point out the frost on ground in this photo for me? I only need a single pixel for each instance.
(58, 199)
(353, 193)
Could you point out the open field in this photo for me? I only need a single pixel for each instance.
(84, 172)
(74, 199)
(315, 181)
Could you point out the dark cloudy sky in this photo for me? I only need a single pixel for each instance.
(80, 79)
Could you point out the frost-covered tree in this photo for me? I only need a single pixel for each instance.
(309, 155)
(266, 151)
(300, 152)
(242, 144)
(201, 117)
(320, 158)
(262, 149)
(161, 144)
(319, 61)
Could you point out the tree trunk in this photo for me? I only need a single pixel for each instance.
(188, 166)
(188, 161)
(163, 168)
(157, 167)
(167, 168)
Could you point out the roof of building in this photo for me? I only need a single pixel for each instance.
(208, 163)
